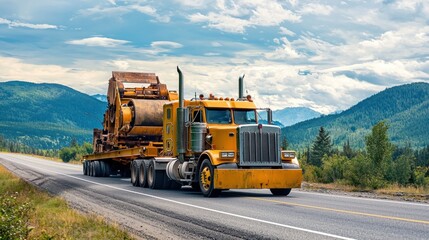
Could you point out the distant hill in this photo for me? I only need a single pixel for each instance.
(405, 108)
(100, 97)
(47, 115)
(291, 115)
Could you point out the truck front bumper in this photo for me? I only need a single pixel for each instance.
(257, 178)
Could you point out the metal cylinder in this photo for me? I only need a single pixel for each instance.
(198, 134)
(241, 86)
(181, 120)
(147, 112)
(172, 170)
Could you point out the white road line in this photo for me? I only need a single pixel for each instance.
(196, 206)
(365, 199)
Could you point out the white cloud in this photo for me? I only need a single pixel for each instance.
(13, 24)
(285, 31)
(236, 16)
(112, 2)
(85, 80)
(285, 51)
(221, 22)
(216, 44)
(98, 42)
(165, 44)
(198, 4)
(316, 9)
(119, 10)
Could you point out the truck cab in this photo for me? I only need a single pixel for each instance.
(226, 147)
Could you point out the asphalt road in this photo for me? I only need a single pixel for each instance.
(248, 214)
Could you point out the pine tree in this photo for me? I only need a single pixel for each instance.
(285, 143)
(321, 146)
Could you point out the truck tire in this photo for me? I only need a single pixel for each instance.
(143, 175)
(97, 169)
(280, 191)
(85, 168)
(102, 168)
(155, 179)
(106, 169)
(91, 168)
(134, 168)
(205, 179)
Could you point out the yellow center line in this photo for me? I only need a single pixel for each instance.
(343, 211)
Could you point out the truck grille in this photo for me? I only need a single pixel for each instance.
(259, 146)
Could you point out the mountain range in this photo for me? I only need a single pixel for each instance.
(404, 108)
(51, 115)
(47, 115)
(292, 115)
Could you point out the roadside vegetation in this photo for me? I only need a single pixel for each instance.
(28, 213)
(16, 147)
(380, 166)
(75, 151)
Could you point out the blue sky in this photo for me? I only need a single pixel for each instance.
(326, 55)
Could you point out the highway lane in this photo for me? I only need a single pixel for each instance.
(249, 214)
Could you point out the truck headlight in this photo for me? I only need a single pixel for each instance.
(288, 154)
(227, 154)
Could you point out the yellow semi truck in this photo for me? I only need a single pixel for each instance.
(160, 140)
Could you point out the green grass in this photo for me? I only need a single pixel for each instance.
(50, 217)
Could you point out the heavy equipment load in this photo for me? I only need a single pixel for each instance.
(134, 113)
(161, 140)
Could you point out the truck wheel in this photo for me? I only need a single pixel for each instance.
(106, 169)
(102, 168)
(155, 179)
(92, 168)
(85, 168)
(206, 178)
(134, 167)
(97, 169)
(142, 172)
(89, 168)
(280, 191)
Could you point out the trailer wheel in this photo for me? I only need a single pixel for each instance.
(106, 169)
(85, 168)
(142, 172)
(280, 191)
(97, 169)
(134, 168)
(91, 168)
(155, 179)
(206, 175)
(102, 166)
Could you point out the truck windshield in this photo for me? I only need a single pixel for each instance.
(222, 116)
(244, 116)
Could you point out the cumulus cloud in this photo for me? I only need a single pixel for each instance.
(285, 31)
(85, 80)
(13, 24)
(98, 42)
(236, 16)
(128, 7)
(316, 9)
